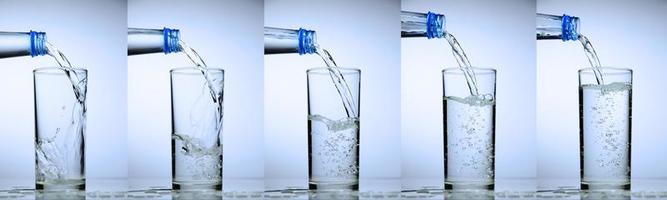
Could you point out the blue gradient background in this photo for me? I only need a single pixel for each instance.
(92, 35)
(629, 34)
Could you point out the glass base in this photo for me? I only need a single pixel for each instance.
(204, 194)
(65, 185)
(196, 186)
(58, 195)
(592, 185)
(333, 186)
(450, 185)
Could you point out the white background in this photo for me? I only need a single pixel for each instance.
(92, 35)
(359, 34)
(228, 35)
(628, 34)
(494, 34)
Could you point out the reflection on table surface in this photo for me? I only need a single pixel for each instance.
(565, 189)
(369, 189)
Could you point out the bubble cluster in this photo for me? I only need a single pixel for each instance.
(197, 147)
(334, 148)
(469, 125)
(201, 162)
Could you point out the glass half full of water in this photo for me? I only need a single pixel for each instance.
(604, 128)
(60, 128)
(196, 139)
(333, 135)
(469, 129)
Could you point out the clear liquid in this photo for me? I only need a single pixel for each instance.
(197, 162)
(469, 140)
(60, 157)
(333, 150)
(605, 133)
(464, 63)
(339, 82)
(592, 58)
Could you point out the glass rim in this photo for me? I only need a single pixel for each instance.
(56, 70)
(477, 70)
(607, 70)
(194, 70)
(325, 70)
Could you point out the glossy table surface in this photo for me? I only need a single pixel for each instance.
(368, 189)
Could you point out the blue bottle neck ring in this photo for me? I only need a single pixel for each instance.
(435, 25)
(37, 43)
(171, 38)
(570, 26)
(307, 41)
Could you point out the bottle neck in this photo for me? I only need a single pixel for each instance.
(279, 41)
(15, 44)
(145, 41)
(429, 25)
(563, 27)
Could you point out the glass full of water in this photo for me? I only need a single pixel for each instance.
(196, 144)
(60, 122)
(604, 128)
(469, 129)
(333, 135)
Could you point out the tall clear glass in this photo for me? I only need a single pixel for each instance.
(469, 129)
(196, 143)
(333, 136)
(604, 128)
(60, 129)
